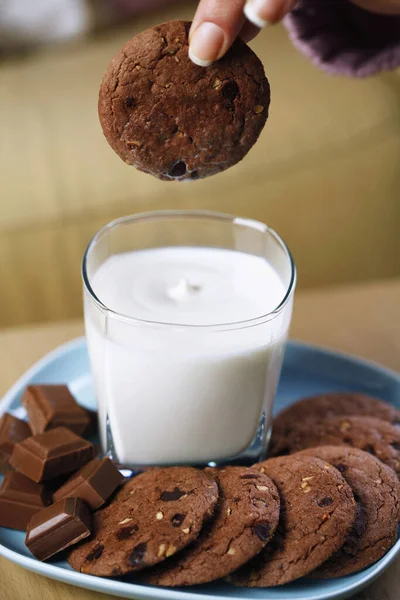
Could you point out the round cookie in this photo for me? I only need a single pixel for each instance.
(175, 120)
(327, 405)
(245, 520)
(375, 436)
(376, 490)
(163, 511)
(317, 513)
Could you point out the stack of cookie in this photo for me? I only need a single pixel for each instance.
(326, 505)
(326, 511)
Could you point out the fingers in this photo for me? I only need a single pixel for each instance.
(264, 12)
(218, 22)
(215, 26)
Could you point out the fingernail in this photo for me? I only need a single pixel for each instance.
(256, 12)
(206, 44)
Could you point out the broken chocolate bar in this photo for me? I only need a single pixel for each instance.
(94, 483)
(50, 454)
(12, 431)
(50, 406)
(20, 499)
(58, 526)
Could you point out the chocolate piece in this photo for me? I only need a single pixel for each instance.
(58, 526)
(93, 426)
(47, 455)
(20, 499)
(12, 431)
(94, 483)
(50, 406)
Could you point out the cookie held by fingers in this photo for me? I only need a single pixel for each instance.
(175, 120)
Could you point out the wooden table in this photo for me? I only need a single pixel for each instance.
(363, 320)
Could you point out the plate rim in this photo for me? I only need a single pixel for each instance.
(132, 590)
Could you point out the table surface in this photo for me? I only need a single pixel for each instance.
(362, 320)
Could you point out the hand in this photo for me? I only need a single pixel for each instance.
(218, 22)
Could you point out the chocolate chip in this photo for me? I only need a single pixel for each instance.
(262, 531)
(130, 102)
(137, 554)
(369, 448)
(395, 445)
(194, 174)
(178, 169)
(341, 467)
(236, 499)
(177, 519)
(347, 440)
(250, 476)
(327, 501)
(230, 90)
(125, 533)
(116, 571)
(95, 553)
(352, 544)
(174, 495)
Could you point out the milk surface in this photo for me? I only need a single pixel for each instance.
(192, 390)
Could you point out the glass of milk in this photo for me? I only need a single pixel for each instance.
(187, 315)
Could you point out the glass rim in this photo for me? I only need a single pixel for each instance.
(189, 214)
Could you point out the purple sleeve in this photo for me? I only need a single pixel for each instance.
(344, 39)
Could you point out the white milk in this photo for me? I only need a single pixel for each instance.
(185, 394)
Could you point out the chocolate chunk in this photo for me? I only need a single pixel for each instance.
(93, 427)
(369, 448)
(230, 90)
(250, 477)
(20, 499)
(57, 527)
(126, 532)
(327, 501)
(177, 519)
(12, 431)
(178, 170)
(47, 455)
(341, 468)
(137, 555)
(130, 102)
(262, 531)
(94, 483)
(95, 553)
(171, 496)
(395, 445)
(50, 406)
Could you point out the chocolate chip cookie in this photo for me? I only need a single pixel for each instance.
(246, 517)
(327, 405)
(162, 511)
(375, 436)
(175, 120)
(317, 513)
(376, 490)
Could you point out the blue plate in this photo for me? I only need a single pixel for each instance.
(307, 370)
